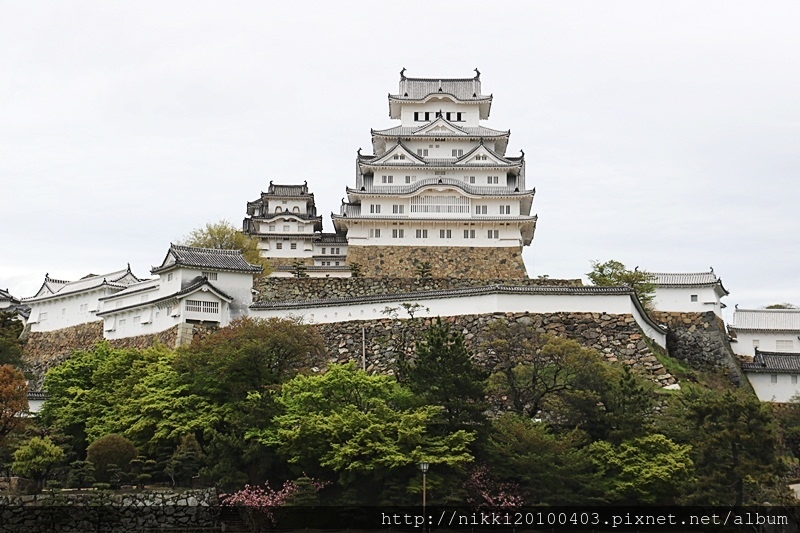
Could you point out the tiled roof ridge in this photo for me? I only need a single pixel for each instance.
(201, 281)
(228, 251)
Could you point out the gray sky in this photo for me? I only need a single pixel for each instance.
(663, 134)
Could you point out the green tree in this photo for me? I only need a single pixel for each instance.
(646, 470)
(81, 474)
(10, 343)
(550, 468)
(223, 235)
(784, 305)
(734, 447)
(299, 269)
(443, 374)
(110, 450)
(531, 369)
(36, 458)
(362, 428)
(614, 273)
(185, 462)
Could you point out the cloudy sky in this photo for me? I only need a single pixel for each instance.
(663, 134)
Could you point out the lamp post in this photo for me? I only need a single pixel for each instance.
(424, 467)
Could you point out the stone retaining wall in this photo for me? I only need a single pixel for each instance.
(455, 262)
(110, 511)
(289, 289)
(617, 337)
(701, 340)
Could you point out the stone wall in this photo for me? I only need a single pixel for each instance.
(617, 337)
(455, 262)
(701, 340)
(288, 289)
(111, 511)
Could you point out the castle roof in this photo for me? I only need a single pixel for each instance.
(288, 190)
(766, 319)
(462, 90)
(774, 362)
(682, 279)
(52, 288)
(204, 258)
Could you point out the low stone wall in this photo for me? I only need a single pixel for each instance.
(110, 511)
(617, 337)
(454, 262)
(289, 289)
(701, 340)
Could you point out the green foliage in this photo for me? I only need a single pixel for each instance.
(550, 468)
(36, 458)
(110, 450)
(223, 235)
(10, 343)
(356, 270)
(443, 374)
(299, 269)
(734, 446)
(81, 474)
(785, 305)
(614, 273)
(353, 424)
(532, 369)
(650, 469)
(185, 462)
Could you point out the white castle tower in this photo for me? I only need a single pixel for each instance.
(438, 189)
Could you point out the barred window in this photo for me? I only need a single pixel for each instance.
(200, 306)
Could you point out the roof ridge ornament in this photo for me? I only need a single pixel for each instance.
(477, 74)
(403, 74)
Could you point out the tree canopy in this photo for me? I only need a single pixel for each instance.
(614, 273)
(223, 235)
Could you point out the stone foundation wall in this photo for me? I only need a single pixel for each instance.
(288, 289)
(445, 262)
(617, 337)
(701, 340)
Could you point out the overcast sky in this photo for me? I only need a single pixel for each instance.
(664, 134)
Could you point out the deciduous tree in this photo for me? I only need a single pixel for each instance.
(13, 400)
(36, 458)
(614, 273)
(223, 235)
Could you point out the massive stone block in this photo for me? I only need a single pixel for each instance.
(445, 262)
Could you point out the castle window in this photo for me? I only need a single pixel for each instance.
(336, 263)
(323, 251)
(374, 208)
(286, 228)
(422, 234)
(210, 276)
(469, 179)
(422, 152)
(398, 156)
(169, 276)
(458, 152)
(387, 179)
(420, 116)
(439, 172)
(279, 246)
(773, 378)
(693, 297)
(408, 179)
(293, 246)
(469, 233)
(493, 180)
(398, 209)
(494, 234)
(398, 233)
(295, 209)
(337, 252)
(445, 233)
(373, 233)
(272, 227)
(481, 209)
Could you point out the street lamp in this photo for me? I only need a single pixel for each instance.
(424, 467)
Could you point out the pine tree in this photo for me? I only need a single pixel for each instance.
(444, 374)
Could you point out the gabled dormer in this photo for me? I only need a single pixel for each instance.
(399, 155)
(481, 155)
(440, 126)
